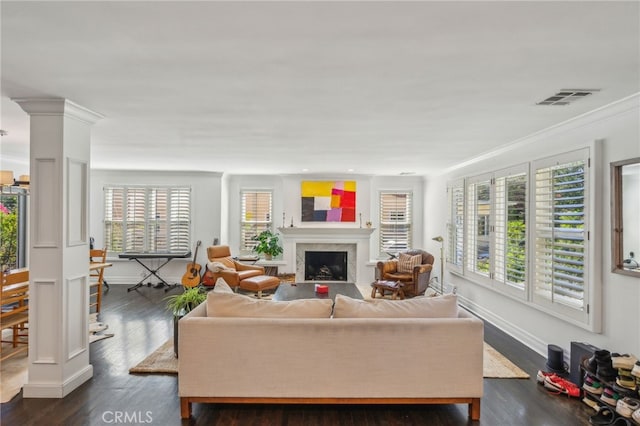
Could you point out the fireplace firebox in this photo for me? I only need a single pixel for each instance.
(325, 266)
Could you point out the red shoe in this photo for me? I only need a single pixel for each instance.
(557, 384)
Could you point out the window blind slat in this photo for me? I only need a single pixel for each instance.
(147, 218)
(395, 221)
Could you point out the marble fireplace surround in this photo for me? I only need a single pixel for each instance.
(355, 241)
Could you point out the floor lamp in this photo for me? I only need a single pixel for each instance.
(441, 241)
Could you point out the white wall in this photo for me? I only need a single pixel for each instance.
(206, 207)
(286, 200)
(618, 126)
(216, 210)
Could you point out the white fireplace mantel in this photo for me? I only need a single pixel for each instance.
(294, 238)
(298, 232)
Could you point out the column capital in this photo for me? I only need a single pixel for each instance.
(57, 106)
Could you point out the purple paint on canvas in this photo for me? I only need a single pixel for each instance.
(334, 215)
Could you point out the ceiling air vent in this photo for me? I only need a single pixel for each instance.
(567, 96)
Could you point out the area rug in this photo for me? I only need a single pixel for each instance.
(13, 371)
(163, 361)
(497, 366)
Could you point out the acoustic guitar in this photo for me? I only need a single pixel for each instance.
(191, 278)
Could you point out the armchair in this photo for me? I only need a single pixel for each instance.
(233, 271)
(416, 281)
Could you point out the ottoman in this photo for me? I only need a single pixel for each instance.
(259, 284)
(395, 287)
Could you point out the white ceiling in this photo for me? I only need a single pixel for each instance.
(269, 87)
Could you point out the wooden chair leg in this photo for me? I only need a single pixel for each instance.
(99, 298)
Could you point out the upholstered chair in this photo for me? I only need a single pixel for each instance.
(414, 272)
(222, 265)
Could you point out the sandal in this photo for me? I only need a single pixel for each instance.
(604, 416)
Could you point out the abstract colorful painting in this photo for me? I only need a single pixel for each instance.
(328, 201)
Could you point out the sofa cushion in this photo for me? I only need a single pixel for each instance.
(445, 306)
(222, 287)
(237, 305)
(406, 262)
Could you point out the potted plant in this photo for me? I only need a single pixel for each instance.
(181, 304)
(268, 243)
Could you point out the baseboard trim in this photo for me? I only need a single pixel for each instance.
(57, 390)
(517, 333)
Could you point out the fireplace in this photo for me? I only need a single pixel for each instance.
(355, 241)
(325, 265)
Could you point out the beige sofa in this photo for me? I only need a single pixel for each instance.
(232, 359)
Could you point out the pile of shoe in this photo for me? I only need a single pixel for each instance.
(613, 379)
(556, 384)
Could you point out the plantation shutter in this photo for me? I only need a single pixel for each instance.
(560, 233)
(147, 218)
(135, 222)
(114, 219)
(180, 219)
(455, 227)
(256, 216)
(510, 230)
(479, 225)
(395, 221)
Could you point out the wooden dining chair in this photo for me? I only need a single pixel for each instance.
(96, 279)
(14, 300)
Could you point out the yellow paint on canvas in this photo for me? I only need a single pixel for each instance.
(350, 185)
(316, 188)
(335, 201)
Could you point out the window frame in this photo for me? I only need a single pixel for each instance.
(264, 224)
(582, 316)
(455, 225)
(409, 218)
(177, 220)
(588, 316)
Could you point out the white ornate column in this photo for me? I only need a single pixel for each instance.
(58, 247)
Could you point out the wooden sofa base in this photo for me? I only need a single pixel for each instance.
(186, 401)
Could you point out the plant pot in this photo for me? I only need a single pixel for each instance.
(268, 257)
(176, 318)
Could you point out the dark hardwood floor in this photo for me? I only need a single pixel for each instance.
(141, 324)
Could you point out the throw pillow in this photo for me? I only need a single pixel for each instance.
(238, 305)
(445, 306)
(222, 287)
(406, 262)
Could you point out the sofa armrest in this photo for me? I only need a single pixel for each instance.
(388, 266)
(244, 267)
(231, 277)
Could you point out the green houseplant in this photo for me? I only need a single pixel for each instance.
(181, 304)
(268, 243)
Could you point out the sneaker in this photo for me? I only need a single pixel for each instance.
(610, 396)
(623, 361)
(635, 371)
(626, 406)
(541, 375)
(592, 385)
(626, 382)
(555, 383)
(636, 416)
(592, 403)
(624, 392)
(590, 364)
